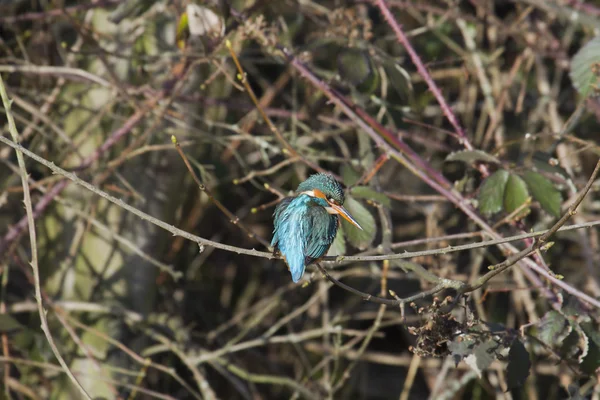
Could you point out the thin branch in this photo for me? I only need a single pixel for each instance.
(33, 241)
(452, 249)
(234, 219)
(73, 73)
(398, 302)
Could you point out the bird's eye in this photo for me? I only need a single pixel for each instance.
(331, 200)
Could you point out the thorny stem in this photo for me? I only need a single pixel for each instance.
(385, 11)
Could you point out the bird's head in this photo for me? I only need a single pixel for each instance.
(330, 194)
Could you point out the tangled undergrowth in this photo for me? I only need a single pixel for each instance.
(151, 141)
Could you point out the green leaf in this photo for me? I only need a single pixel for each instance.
(349, 175)
(544, 192)
(356, 67)
(365, 192)
(584, 68)
(553, 328)
(338, 247)
(356, 237)
(518, 365)
(515, 194)
(399, 79)
(491, 192)
(576, 345)
(472, 156)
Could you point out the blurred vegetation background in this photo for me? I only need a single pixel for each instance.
(449, 122)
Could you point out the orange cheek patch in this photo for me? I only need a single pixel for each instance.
(319, 194)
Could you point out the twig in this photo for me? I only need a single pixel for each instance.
(368, 175)
(79, 74)
(267, 171)
(398, 302)
(410, 377)
(288, 149)
(273, 380)
(235, 220)
(133, 317)
(32, 238)
(451, 249)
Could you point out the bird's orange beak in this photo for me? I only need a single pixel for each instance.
(345, 214)
(340, 210)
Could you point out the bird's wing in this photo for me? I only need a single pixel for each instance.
(277, 218)
(323, 228)
(289, 235)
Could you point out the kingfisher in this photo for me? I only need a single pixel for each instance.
(305, 225)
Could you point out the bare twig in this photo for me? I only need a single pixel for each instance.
(32, 238)
(235, 220)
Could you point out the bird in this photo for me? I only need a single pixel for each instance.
(306, 224)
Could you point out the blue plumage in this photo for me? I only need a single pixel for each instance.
(306, 225)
